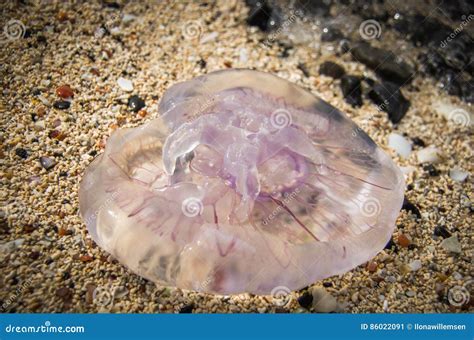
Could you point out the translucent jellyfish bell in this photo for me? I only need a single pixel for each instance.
(246, 182)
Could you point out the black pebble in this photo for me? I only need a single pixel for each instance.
(331, 34)
(330, 69)
(384, 63)
(62, 105)
(22, 153)
(302, 67)
(261, 15)
(408, 206)
(418, 141)
(136, 103)
(441, 231)
(351, 89)
(432, 171)
(47, 163)
(186, 309)
(202, 63)
(391, 245)
(305, 300)
(389, 98)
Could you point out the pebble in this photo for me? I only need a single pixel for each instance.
(410, 293)
(452, 244)
(400, 144)
(186, 309)
(415, 265)
(65, 91)
(262, 16)
(403, 241)
(47, 163)
(441, 231)
(305, 300)
(457, 174)
(389, 98)
(430, 154)
(372, 266)
(351, 90)
(330, 69)
(432, 171)
(62, 105)
(135, 103)
(323, 301)
(22, 153)
(9, 247)
(408, 206)
(125, 84)
(331, 34)
(384, 63)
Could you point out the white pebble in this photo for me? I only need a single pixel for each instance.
(209, 37)
(415, 265)
(125, 84)
(458, 175)
(452, 244)
(430, 154)
(400, 144)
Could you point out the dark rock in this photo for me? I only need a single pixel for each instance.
(432, 171)
(389, 98)
(136, 103)
(302, 67)
(47, 163)
(441, 231)
(305, 300)
(410, 207)
(351, 89)
(432, 63)
(281, 310)
(22, 153)
(186, 309)
(316, 8)
(330, 69)
(467, 89)
(391, 245)
(418, 141)
(450, 83)
(331, 34)
(344, 46)
(62, 105)
(262, 15)
(384, 63)
(202, 63)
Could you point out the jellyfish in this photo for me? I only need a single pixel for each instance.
(243, 183)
